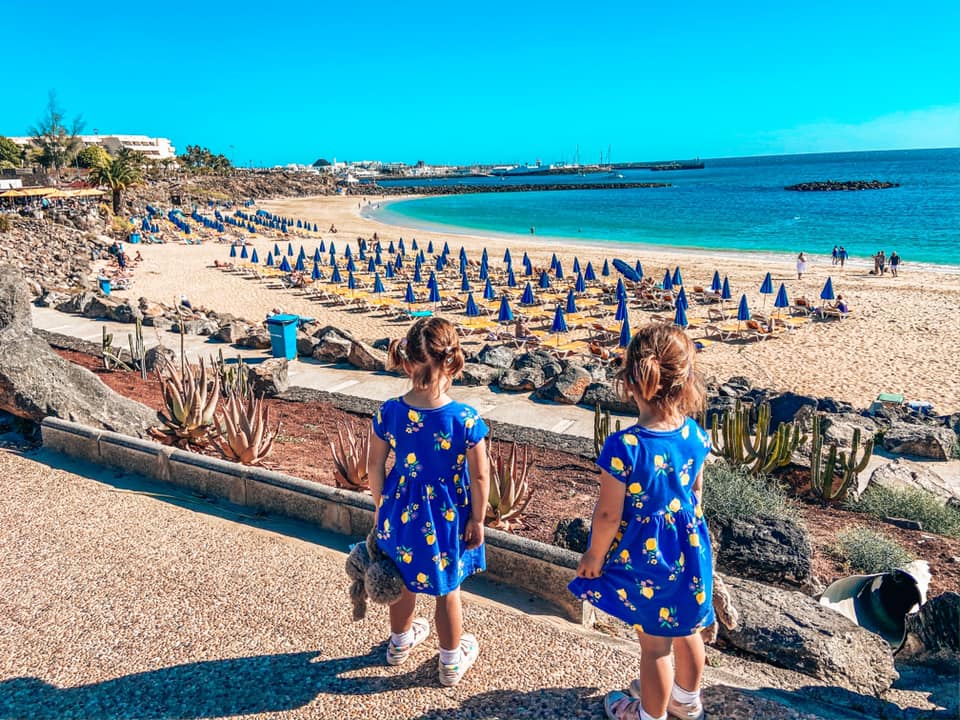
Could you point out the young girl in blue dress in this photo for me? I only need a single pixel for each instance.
(649, 559)
(431, 506)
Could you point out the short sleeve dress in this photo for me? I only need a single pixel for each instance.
(658, 573)
(425, 504)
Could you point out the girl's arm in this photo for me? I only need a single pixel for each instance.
(377, 452)
(606, 521)
(698, 487)
(479, 468)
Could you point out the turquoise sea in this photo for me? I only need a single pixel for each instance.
(732, 204)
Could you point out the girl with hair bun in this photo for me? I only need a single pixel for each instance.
(649, 560)
(430, 507)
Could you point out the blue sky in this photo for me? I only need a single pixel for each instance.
(462, 82)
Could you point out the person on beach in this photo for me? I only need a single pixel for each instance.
(649, 561)
(843, 256)
(801, 265)
(836, 255)
(841, 305)
(431, 507)
(894, 264)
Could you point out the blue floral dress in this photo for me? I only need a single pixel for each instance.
(657, 575)
(425, 504)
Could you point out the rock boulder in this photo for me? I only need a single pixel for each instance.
(567, 388)
(498, 356)
(928, 441)
(902, 473)
(775, 551)
(269, 377)
(521, 380)
(366, 357)
(932, 635)
(572, 534)
(787, 406)
(257, 338)
(475, 374)
(604, 395)
(332, 346)
(232, 332)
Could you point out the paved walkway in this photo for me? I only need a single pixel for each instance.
(516, 408)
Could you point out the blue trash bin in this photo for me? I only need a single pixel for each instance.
(105, 286)
(283, 336)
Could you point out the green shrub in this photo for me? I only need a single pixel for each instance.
(867, 551)
(735, 493)
(909, 504)
(5, 222)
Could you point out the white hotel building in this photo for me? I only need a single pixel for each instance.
(153, 148)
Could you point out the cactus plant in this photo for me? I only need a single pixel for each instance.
(601, 428)
(350, 459)
(823, 472)
(510, 490)
(111, 358)
(764, 453)
(190, 400)
(138, 353)
(245, 435)
(234, 377)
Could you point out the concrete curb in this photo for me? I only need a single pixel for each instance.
(535, 567)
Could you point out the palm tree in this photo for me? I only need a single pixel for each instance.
(118, 175)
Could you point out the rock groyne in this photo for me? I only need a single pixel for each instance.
(370, 189)
(842, 185)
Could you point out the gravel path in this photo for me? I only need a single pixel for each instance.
(120, 598)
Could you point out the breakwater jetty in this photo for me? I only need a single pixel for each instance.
(841, 186)
(374, 189)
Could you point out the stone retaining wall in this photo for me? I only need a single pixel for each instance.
(541, 569)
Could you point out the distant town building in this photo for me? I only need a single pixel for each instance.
(153, 148)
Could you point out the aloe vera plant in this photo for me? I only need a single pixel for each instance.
(510, 490)
(245, 435)
(350, 459)
(190, 400)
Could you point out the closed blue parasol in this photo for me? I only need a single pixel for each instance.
(333, 248)
(553, 262)
(576, 266)
(485, 257)
(290, 249)
(511, 278)
(667, 281)
(766, 288)
(276, 250)
(378, 258)
(269, 259)
(400, 246)
(505, 314)
(621, 309)
(624, 269)
(434, 294)
(390, 248)
(472, 309)
(323, 247)
(528, 297)
(544, 281)
(638, 269)
(388, 271)
(335, 276)
(351, 266)
(302, 253)
(781, 301)
(446, 248)
(621, 289)
(527, 266)
(506, 256)
(299, 267)
(430, 247)
(371, 265)
(417, 275)
(465, 283)
(625, 335)
(484, 272)
(351, 281)
(315, 274)
(580, 285)
(254, 258)
(463, 265)
(682, 299)
(677, 277)
(439, 263)
(488, 293)
(559, 270)
(398, 263)
(680, 317)
(408, 296)
(571, 306)
(432, 280)
(589, 275)
(378, 284)
(348, 252)
(316, 255)
(233, 251)
(559, 321)
(827, 292)
(743, 310)
(285, 265)
(725, 293)
(606, 269)
(715, 283)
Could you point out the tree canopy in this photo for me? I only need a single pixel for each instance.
(118, 174)
(10, 152)
(201, 160)
(57, 145)
(91, 156)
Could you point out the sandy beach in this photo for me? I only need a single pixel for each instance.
(903, 335)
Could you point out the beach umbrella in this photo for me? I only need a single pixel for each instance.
(743, 311)
(398, 262)
(446, 248)
(827, 292)
(625, 335)
(439, 264)
(276, 250)
(363, 254)
(484, 272)
(621, 309)
(463, 253)
(725, 293)
(571, 306)
(388, 271)
(417, 276)
(682, 299)
(390, 248)
(254, 258)
(621, 289)
(781, 301)
(472, 309)
(285, 264)
(680, 318)
(511, 278)
(371, 265)
(589, 275)
(527, 266)
(323, 247)
(400, 246)
(299, 267)
(421, 257)
(333, 249)
(667, 281)
(488, 293)
(432, 280)
(347, 253)
(315, 274)
(506, 256)
(580, 285)
(409, 297)
(434, 294)
(576, 265)
(290, 249)
(528, 297)
(302, 253)
(677, 277)
(351, 266)
(351, 281)
(378, 258)
(626, 270)
(638, 269)
(505, 314)
(233, 251)
(317, 257)
(465, 283)
(378, 284)
(606, 269)
(544, 281)
(559, 322)
(559, 270)
(269, 259)
(315, 227)
(430, 247)
(335, 275)
(484, 258)
(463, 265)
(553, 262)
(766, 288)
(715, 283)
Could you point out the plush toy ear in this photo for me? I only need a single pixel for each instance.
(358, 596)
(383, 582)
(373, 552)
(357, 562)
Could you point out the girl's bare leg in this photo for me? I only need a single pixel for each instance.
(656, 673)
(401, 612)
(449, 620)
(690, 656)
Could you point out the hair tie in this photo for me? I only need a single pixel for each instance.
(402, 349)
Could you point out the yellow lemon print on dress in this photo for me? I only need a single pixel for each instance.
(635, 488)
(405, 555)
(413, 416)
(651, 544)
(638, 627)
(616, 464)
(431, 538)
(469, 422)
(660, 464)
(421, 577)
(664, 613)
(694, 540)
(449, 514)
(629, 439)
(625, 555)
(647, 592)
(405, 517)
(621, 593)
(674, 505)
(701, 597)
(386, 525)
(698, 511)
(685, 432)
(411, 458)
